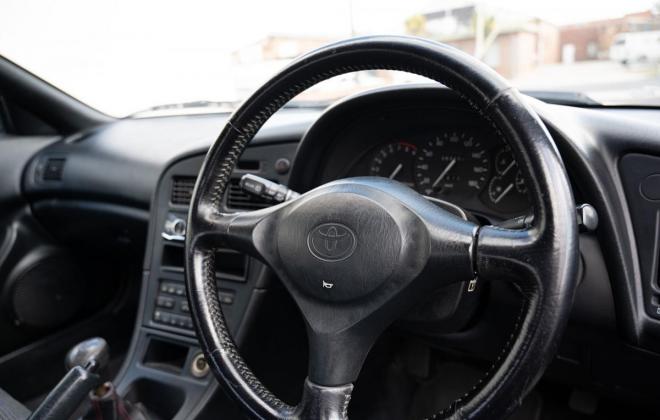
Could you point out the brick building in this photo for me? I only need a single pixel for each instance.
(592, 40)
(511, 44)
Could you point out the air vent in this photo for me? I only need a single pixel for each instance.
(240, 200)
(182, 189)
(53, 169)
(237, 199)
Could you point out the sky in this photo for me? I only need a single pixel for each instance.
(116, 54)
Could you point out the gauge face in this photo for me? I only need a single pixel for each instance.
(451, 163)
(395, 161)
(499, 187)
(504, 161)
(507, 190)
(520, 183)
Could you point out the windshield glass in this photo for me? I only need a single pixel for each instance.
(123, 57)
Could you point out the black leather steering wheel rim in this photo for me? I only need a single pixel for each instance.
(542, 261)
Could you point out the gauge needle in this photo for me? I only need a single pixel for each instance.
(444, 173)
(505, 192)
(396, 170)
(508, 168)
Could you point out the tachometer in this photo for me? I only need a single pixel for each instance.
(395, 161)
(452, 163)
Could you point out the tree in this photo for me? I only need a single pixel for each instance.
(416, 25)
(486, 31)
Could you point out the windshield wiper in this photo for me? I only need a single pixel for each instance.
(562, 97)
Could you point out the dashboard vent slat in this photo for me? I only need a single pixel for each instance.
(182, 189)
(240, 200)
(236, 198)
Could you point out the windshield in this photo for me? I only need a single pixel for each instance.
(123, 57)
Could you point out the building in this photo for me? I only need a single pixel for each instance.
(511, 44)
(592, 40)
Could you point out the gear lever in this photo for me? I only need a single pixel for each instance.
(84, 362)
(92, 355)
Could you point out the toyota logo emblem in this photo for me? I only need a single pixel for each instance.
(331, 242)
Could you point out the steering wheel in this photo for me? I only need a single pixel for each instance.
(357, 253)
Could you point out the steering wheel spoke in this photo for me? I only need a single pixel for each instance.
(339, 342)
(341, 336)
(512, 254)
(324, 402)
(246, 232)
(452, 241)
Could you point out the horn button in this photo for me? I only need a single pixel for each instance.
(347, 241)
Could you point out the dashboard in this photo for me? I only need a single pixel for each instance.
(425, 138)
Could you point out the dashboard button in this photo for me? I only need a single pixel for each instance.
(282, 166)
(162, 317)
(226, 298)
(165, 302)
(168, 288)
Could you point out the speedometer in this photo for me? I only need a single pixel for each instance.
(451, 163)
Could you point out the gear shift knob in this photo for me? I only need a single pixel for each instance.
(91, 355)
(83, 362)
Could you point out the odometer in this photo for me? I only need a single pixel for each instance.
(451, 163)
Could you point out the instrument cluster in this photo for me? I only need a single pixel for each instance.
(457, 165)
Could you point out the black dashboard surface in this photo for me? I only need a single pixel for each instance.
(121, 163)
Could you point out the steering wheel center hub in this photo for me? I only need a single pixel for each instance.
(346, 240)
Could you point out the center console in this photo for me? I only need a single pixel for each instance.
(165, 369)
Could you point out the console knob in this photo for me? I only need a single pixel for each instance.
(175, 227)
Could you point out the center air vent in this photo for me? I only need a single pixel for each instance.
(240, 200)
(237, 199)
(182, 189)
